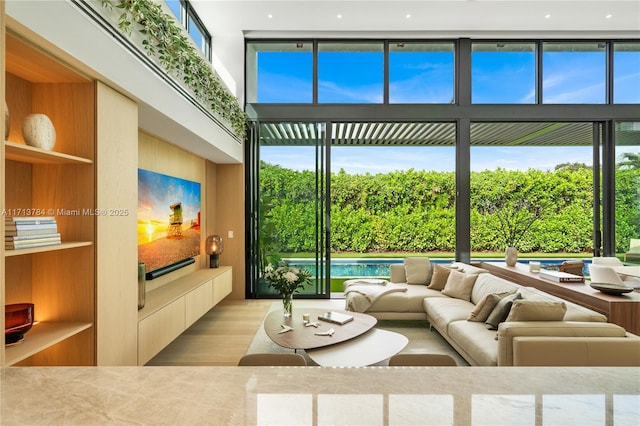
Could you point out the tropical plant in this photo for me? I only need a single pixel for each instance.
(267, 236)
(165, 40)
(415, 211)
(630, 160)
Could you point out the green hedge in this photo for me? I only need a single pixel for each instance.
(414, 211)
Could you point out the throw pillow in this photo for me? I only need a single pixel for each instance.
(439, 277)
(417, 270)
(484, 307)
(459, 285)
(537, 310)
(501, 311)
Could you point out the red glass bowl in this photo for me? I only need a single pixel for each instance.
(18, 319)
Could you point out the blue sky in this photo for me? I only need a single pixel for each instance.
(360, 160)
(427, 77)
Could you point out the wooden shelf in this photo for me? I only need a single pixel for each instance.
(29, 154)
(42, 336)
(63, 246)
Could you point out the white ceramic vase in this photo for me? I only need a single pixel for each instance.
(511, 256)
(38, 131)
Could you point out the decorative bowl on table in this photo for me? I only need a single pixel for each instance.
(18, 319)
(614, 289)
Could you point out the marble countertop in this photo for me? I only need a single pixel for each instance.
(318, 395)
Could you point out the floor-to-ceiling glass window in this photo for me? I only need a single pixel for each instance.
(291, 200)
(392, 192)
(535, 139)
(627, 192)
(536, 194)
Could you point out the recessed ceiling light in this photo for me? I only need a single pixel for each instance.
(609, 16)
(339, 16)
(547, 16)
(408, 16)
(269, 16)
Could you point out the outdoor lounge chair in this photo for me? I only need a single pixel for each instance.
(634, 249)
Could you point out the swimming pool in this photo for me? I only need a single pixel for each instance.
(360, 268)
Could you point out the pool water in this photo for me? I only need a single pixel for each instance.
(352, 268)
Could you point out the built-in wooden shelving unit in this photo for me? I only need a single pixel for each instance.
(28, 154)
(58, 279)
(42, 336)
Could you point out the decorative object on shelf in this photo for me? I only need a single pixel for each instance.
(214, 250)
(575, 267)
(142, 284)
(18, 319)
(614, 289)
(286, 281)
(7, 122)
(534, 266)
(511, 256)
(38, 131)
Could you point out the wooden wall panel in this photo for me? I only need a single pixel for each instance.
(71, 108)
(229, 196)
(18, 97)
(116, 202)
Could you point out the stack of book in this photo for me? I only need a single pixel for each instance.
(29, 232)
(561, 277)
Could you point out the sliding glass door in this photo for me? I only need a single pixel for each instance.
(627, 191)
(289, 203)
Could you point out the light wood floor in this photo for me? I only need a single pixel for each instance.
(220, 337)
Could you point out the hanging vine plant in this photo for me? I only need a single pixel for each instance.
(165, 40)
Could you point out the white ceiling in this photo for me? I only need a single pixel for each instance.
(231, 21)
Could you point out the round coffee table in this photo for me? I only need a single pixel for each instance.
(302, 337)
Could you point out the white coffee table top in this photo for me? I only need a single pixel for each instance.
(372, 347)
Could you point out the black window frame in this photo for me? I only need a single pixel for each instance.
(189, 13)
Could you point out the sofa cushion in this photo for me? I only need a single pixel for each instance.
(417, 270)
(439, 277)
(442, 311)
(477, 341)
(501, 311)
(459, 285)
(536, 310)
(488, 283)
(484, 307)
(406, 301)
(574, 312)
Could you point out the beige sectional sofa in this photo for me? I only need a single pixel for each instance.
(534, 329)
